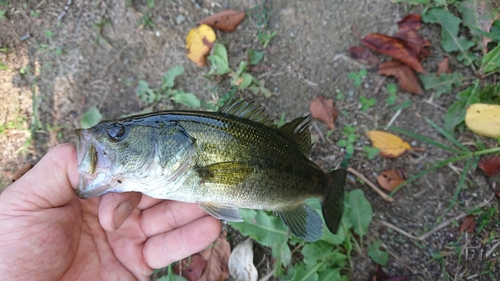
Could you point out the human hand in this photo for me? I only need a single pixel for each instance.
(48, 233)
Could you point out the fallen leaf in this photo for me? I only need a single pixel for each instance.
(468, 224)
(412, 21)
(414, 41)
(217, 256)
(323, 109)
(406, 77)
(397, 48)
(363, 55)
(490, 165)
(391, 146)
(20, 172)
(191, 268)
(484, 119)
(226, 20)
(241, 265)
(214, 267)
(199, 41)
(444, 67)
(390, 179)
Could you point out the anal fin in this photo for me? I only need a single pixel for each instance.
(222, 211)
(303, 221)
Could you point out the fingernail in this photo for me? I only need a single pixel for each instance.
(121, 213)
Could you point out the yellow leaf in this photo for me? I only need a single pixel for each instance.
(391, 146)
(199, 41)
(484, 119)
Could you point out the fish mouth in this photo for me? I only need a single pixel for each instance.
(93, 178)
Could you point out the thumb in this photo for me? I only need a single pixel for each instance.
(51, 183)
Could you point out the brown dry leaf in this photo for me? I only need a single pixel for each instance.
(444, 67)
(199, 41)
(397, 48)
(468, 224)
(390, 179)
(191, 268)
(406, 77)
(490, 165)
(391, 146)
(412, 21)
(217, 256)
(414, 41)
(20, 172)
(323, 109)
(363, 55)
(226, 20)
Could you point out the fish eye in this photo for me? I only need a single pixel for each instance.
(116, 131)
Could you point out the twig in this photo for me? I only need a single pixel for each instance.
(490, 251)
(65, 10)
(379, 85)
(394, 118)
(370, 184)
(320, 133)
(267, 276)
(438, 227)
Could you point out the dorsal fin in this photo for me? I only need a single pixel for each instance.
(298, 131)
(248, 110)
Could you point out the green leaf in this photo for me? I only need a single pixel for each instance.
(187, 99)
(306, 272)
(360, 212)
(371, 151)
(218, 60)
(377, 255)
(476, 15)
(405, 104)
(281, 252)
(491, 61)
(91, 117)
(449, 33)
(456, 112)
(442, 84)
(332, 275)
(322, 252)
(254, 56)
(247, 81)
(263, 228)
(144, 92)
(241, 68)
(169, 77)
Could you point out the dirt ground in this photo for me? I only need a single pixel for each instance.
(61, 61)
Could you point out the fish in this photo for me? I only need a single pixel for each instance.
(233, 158)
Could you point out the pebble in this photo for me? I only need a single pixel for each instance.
(180, 19)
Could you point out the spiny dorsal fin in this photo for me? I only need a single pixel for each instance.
(248, 110)
(298, 131)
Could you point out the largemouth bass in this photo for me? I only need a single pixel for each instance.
(226, 160)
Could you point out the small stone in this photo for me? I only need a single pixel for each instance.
(180, 19)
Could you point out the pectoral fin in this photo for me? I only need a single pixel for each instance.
(222, 211)
(303, 221)
(227, 173)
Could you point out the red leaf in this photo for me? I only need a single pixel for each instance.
(363, 55)
(226, 20)
(490, 165)
(412, 21)
(444, 67)
(468, 224)
(406, 76)
(397, 48)
(390, 179)
(416, 42)
(191, 268)
(323, 109)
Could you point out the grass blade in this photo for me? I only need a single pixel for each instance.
(447, 135)
(425, 139)
(437, 166)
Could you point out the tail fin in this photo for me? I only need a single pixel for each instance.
(333, 204)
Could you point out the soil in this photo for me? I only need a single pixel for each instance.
(61, 62)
